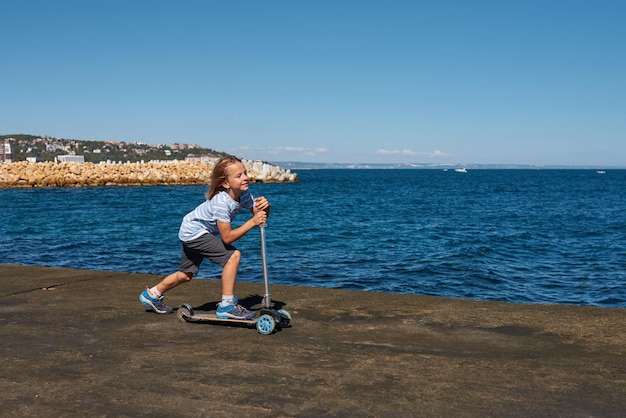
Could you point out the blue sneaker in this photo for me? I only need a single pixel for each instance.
(156, 304)
(233, 311)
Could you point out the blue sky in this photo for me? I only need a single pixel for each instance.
(459, 82)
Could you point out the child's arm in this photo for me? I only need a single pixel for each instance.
(230, 235)
(260, 211)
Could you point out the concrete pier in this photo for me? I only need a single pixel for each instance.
(79, 343)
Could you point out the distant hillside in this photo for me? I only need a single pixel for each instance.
(45, 148)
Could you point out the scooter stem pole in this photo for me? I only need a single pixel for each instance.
(267, 298)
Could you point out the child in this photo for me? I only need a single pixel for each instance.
(206, 232)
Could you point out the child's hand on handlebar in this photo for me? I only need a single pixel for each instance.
(262, 203)
(259, 218)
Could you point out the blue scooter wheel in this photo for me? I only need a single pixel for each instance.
(285, 318)
(265, 324)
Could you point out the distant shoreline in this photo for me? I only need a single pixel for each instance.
(294, 165)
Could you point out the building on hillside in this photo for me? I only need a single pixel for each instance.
(7, 156)
(178, 146)
(54, 147)
(71, 159)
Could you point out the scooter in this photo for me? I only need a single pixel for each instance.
(268, 319)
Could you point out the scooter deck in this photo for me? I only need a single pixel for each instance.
(199, 317)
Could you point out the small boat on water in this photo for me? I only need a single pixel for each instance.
(601, 172)
(460, 170)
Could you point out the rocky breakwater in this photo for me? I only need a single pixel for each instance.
(53, 174)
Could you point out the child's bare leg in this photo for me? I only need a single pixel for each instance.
(229, 274)
(153, 298)
(173, 280)
(229, 307)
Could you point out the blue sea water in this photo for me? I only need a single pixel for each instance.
(525, 236)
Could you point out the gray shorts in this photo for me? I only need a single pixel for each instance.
(205, 246)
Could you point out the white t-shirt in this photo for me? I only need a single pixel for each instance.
(203, 219)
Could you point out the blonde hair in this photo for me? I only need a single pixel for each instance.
(220, 174)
